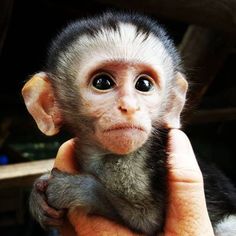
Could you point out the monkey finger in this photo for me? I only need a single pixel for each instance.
(51, 212)
(48, 210)
(41, 185)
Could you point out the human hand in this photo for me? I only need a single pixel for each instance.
(186, 214)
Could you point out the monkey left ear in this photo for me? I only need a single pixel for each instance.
(176, 102)
(40, 102)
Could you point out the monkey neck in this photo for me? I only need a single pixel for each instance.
(92, 157)
(91, 151)
(94, 161)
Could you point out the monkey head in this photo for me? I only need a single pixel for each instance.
(111, 87)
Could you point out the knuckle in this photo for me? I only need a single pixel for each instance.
(45, 209)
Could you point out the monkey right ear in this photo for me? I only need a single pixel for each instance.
(177, 101)
(40, 102)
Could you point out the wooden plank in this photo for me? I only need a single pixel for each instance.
(5, 16)
(218, 14)
(23, 174)
(204, 53)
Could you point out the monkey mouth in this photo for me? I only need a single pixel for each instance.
(123, 138)
(124, 127)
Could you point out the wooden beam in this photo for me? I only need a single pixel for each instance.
(218, 14)
(5, 16)
(23, 174)
(204, 52)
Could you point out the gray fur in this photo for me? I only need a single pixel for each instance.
(36, 202)
(123, 192)
(129, 189)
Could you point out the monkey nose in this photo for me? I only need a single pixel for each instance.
(128, 106)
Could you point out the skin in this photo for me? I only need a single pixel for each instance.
(117, 111)
(185, 179)
(187, 213)
(119, 120)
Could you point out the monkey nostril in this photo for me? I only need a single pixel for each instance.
(122, 109)
(128, 110)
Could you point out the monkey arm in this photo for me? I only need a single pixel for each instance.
(42, 212)
(71, 191)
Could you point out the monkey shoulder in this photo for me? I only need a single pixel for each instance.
(126, 176)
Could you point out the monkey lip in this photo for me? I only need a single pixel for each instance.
(124, 127)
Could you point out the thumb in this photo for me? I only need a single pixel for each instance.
(187, 212)
(65, 160)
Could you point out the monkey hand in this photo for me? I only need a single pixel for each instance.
(66, 190)
(58, 191)
(41, 211)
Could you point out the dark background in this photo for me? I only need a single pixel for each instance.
(32, 26)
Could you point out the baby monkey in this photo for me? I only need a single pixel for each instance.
(115, 82)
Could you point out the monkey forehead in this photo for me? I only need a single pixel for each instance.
(124, 44)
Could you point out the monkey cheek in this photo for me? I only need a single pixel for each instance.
(123, 142)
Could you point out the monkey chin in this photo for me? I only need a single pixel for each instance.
(123, 141)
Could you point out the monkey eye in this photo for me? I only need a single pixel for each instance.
(103, 82)
(144, 84)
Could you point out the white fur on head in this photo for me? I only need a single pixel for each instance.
(126, 45)
(114, 45)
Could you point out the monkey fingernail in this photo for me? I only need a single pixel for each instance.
(56, 214)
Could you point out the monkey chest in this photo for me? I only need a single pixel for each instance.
(127, 185)
(126, 179)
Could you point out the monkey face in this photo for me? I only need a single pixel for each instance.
(109, 88)
(123, 100)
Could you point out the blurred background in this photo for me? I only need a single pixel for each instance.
(205, 36)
